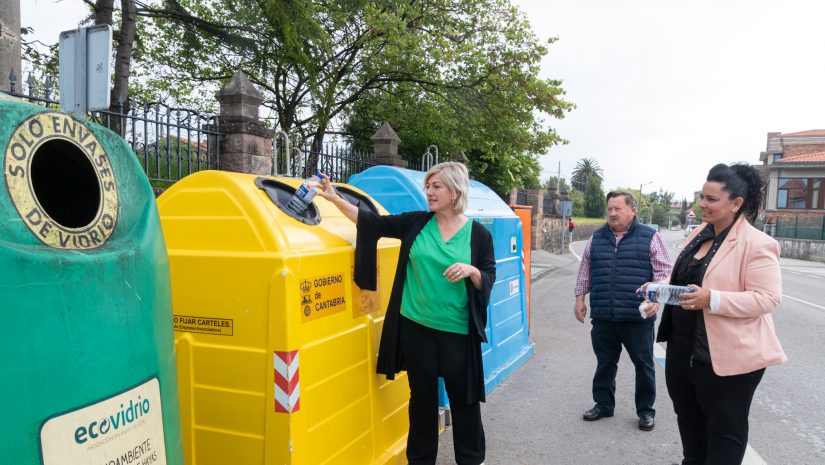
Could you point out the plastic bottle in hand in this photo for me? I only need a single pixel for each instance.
(304, 194)
(664, 293)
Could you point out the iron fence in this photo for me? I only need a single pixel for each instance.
(169, 142)
(549, 205)
(338, 162)
(521, 196)
(795, 227)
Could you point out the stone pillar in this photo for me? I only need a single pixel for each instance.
(10, 44)
(513, 196)
(385, 142)
(535, 198)
(246, 145)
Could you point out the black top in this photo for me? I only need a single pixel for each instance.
(406, 227)
(685, 329)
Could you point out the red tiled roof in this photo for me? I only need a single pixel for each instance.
(817, 157)
(812, 132)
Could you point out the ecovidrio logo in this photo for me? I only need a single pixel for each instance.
(112, 422)
(125, 429)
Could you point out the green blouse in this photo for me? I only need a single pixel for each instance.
(428, 298)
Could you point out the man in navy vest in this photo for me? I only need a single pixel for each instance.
(620, 257)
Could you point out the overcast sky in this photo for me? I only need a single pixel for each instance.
(664, 89)
(667, 89)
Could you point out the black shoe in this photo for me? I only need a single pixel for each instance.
(646, 423)
(596, 413)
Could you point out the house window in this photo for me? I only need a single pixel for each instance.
(777, 157)
(792, 193)
(815, 193)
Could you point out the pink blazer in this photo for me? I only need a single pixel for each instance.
(745, 270)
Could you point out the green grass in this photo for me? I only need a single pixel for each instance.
(580, 220)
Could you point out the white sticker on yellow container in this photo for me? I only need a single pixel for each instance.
(126, 429)
(322, 296)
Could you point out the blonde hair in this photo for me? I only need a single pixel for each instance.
(456, 178)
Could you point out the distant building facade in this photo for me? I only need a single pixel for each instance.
(794, 165)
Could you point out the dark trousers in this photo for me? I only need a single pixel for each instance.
(712, 410)
(608, 337)
(428, 354)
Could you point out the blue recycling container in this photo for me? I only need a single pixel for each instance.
(401, 190)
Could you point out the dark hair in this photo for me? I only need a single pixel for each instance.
(741, 180)
(629, 199)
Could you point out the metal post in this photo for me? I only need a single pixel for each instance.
(80, 74)
(279, 132)
(822, 234)
(558, 192)
(796, 227)
(12, 81)
(427, 158)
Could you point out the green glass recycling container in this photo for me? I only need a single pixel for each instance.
(87, 352)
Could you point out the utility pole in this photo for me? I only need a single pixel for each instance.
(563, 223)
(10, 44)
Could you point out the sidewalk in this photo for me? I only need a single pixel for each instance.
(535, 416)
(543, 263)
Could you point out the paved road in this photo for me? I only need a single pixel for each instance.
(787, 419)
(535, 416)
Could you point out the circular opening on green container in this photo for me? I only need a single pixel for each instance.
(65, 183)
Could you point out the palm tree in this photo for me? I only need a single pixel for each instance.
(585, 169)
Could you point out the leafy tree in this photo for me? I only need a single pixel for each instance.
(696, 210)
(578, 202)
(554, 181)
(654, 207)
(586, 170)
(595, 203)
(462, 74)
(124, 37)
(469, 68)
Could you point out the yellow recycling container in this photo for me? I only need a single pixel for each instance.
(275, 343)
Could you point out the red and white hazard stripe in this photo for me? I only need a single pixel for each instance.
(523, 265)
(287, 390)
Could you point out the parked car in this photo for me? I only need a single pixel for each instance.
(690, 228)
(652, 225)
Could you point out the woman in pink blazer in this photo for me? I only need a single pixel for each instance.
(721, 337)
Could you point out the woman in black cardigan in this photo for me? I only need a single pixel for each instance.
(444, 254)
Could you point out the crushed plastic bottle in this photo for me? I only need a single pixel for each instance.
(304, 194)
(664, 293)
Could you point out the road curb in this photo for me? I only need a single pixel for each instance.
(536, 276)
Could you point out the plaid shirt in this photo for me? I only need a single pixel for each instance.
(659, 260)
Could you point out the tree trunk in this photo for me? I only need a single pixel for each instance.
(119, 97)
(312, 162)
(123, 60)
(104, 9)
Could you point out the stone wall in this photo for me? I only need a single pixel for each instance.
(802, 249)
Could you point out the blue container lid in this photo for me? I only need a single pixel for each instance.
(401, 190)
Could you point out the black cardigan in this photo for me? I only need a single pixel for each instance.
(406, 227)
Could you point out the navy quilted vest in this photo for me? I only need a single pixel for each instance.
(616, 272)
